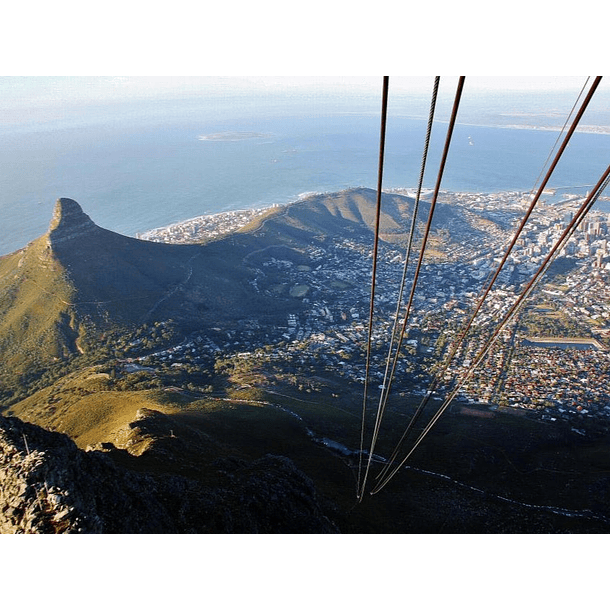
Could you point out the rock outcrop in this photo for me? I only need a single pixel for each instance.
(69, 222)
(49, 485)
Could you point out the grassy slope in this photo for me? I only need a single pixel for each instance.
(347, 213)
(85, 407)
(36, 321)
(525, 460)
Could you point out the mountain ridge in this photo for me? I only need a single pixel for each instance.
(78, 282)
(50, 486)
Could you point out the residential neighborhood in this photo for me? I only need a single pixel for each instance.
(525, 370)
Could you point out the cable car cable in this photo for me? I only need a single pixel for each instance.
(387, 375)
(450, 129)
(384, 111)
(486, 292)
(560, 243)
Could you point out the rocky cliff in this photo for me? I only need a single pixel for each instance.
(69, 222)
(49, 485)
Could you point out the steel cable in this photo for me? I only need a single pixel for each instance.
(443, 162)
(560, 133)
(487, 290)
(384, 112)
(583, 211)
(388, 375)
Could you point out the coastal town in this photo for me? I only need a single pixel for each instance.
(551, 360)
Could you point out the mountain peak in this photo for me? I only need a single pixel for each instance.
(69, 221)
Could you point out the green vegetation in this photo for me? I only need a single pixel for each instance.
(543, 319)
(37, 323)
(523, 459)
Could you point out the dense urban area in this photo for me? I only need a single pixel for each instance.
(550, 361)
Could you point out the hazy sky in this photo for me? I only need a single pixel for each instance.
(25, 89)
(44, 99)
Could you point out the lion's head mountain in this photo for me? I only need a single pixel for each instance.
(78, 281)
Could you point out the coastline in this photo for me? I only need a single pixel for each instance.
(602, 130)
(131, 201)
(211, 226)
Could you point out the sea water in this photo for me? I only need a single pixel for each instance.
(144, 166)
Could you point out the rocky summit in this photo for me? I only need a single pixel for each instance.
(49, 486)
(69, 222)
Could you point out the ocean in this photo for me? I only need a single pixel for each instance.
(141, 166)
